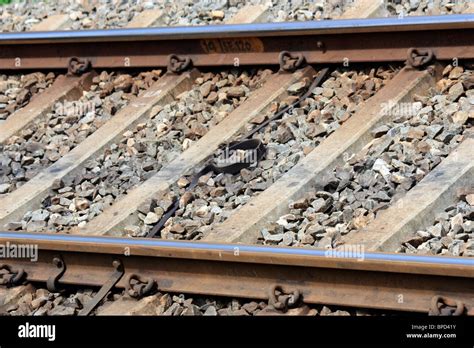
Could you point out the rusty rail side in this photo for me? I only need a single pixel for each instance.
(373, 280)
(363, 40)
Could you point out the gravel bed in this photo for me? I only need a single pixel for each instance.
(425, 7)
(110, 14)
(405, 149)
(30, 301)
(452, 233)
(290, 11)
(300, 131)
(107, 14)
(69, 123)
(16, 91)
(200, 12)
(101, 15)
(141, 152)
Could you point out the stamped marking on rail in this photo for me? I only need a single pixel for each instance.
(240, 45)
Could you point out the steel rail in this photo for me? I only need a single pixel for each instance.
(369, 280)
(337, 26)
(335, 41)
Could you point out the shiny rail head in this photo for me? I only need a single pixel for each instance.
(336, 26)
(96, 242)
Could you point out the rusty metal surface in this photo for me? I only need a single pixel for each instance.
(386, 41)
(385, 281)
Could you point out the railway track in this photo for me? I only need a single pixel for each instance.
(361, 172)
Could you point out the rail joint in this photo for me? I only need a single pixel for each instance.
(12, 277)
(177, 64)
(419, 58)
(280, 300)
(138, 287)
(289, 62)
(446, 306)
(78, 66)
